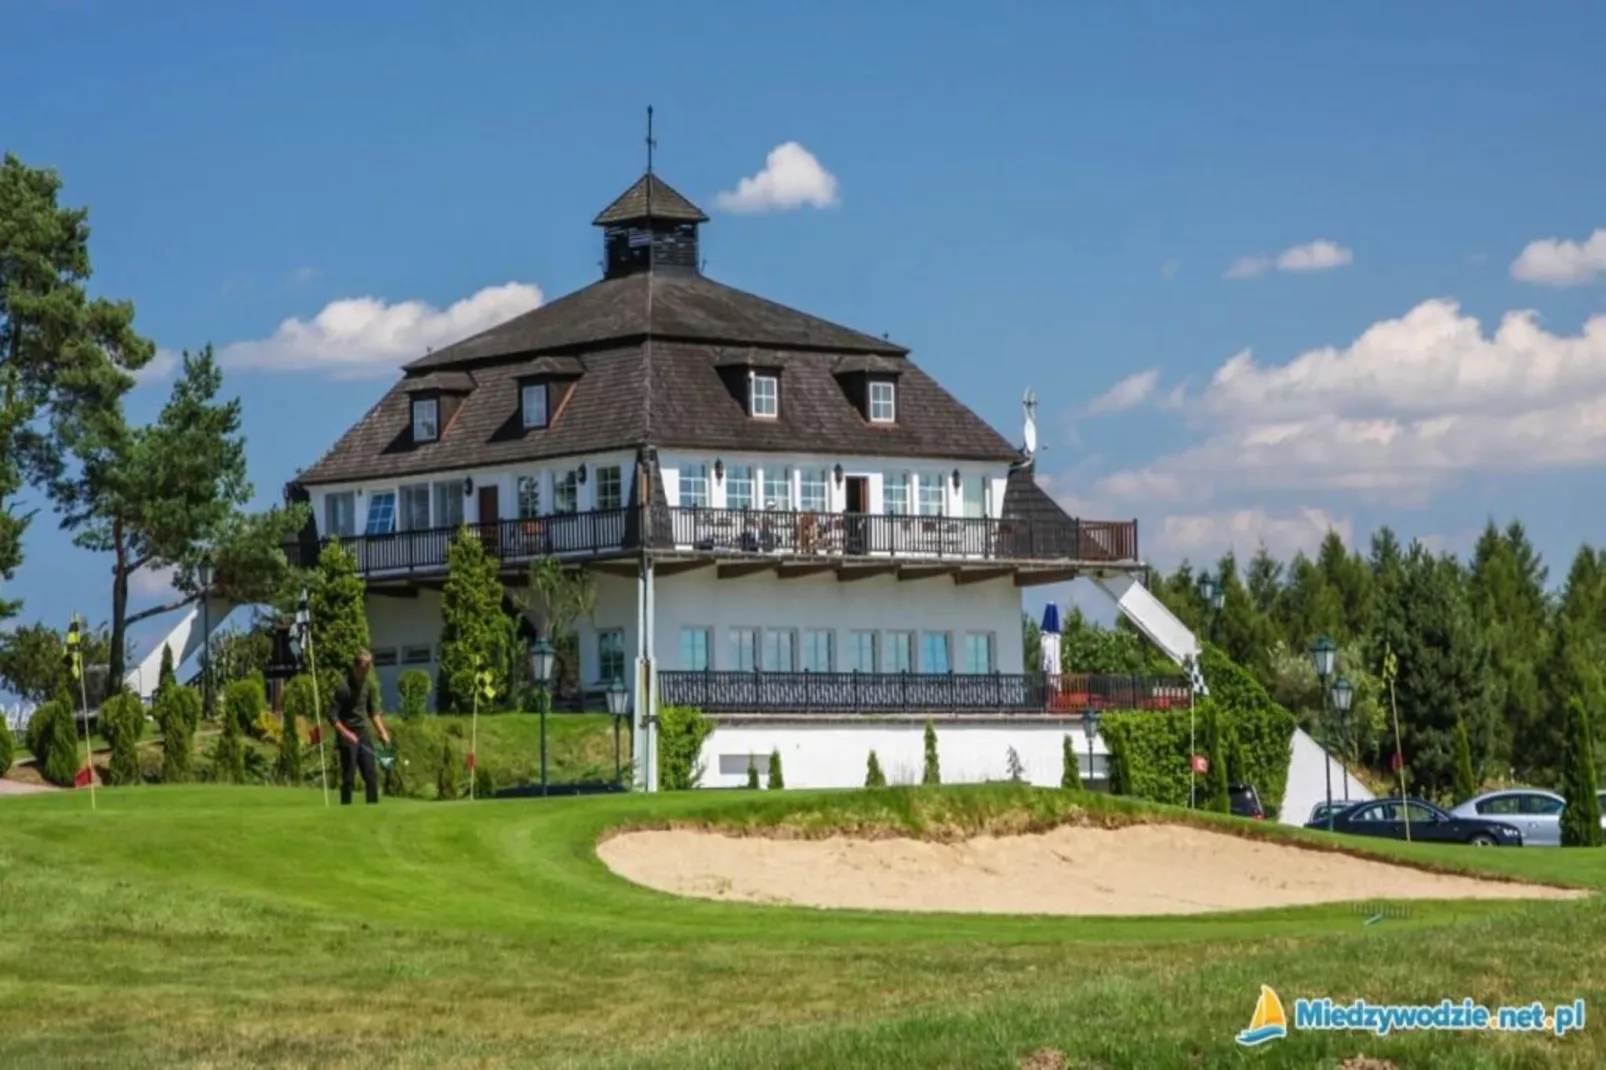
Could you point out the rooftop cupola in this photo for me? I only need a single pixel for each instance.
(649, 227)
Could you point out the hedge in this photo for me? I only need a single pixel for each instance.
(681, 731)
(1149, 749)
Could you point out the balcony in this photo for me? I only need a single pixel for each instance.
(869, 693)
(731, 534)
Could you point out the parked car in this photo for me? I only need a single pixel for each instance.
(1535, 811)
(1318, 813)
(1387, 818)
(1245, 801)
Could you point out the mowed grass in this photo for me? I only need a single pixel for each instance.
(215, 926)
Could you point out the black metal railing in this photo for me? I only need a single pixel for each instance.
(855, 692)
(736, 533)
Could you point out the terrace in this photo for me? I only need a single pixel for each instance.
(701, 534)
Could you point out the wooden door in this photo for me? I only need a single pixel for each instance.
(490, 519)
(858, 506)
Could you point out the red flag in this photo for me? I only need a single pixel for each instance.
(83, 777)
(315, 734)
(1201, 764)
(1395, 763)
(468, 760)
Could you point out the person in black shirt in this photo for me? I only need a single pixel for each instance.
(356, 702)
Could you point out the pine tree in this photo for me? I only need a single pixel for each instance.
(178, 711)
(335, 601)
(8, 746)
(1466, 781)
(1071, 772)
(752, 774)
(53, 738)
(446, 786)
(776, 780)
(1580, 819)
(122, 722)
(298, 708)
(229, 758)
(873, 776)
(1216, 795)
(475, 631)
(167, 676)
(931, 774)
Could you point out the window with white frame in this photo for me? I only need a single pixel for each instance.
(415, 507)
(764, 395)
(780, 650)
(883, 403)
(532, 402)
(812, 490)
(529, 488)
(895, 493)
(979, 652)
(610, 487)
(426, 419)
(744, 649)
(778, 488)
(449, 503)
(739, 487)
(861, 652)
(929, 490)
(934, 652)
(340, 514)
(381, 513)
(973, 496)
(817, 650)
(566, 492)
(694, 650)
(899, 653)
(611, 654)
(694, 486)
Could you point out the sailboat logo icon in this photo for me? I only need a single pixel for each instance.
(1267, 1023)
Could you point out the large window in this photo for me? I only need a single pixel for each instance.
(566, 492)
(381, 514)
(899, 655)
(766, 395)
(895, 493)
(861, 652)
(934, 655)
(778, 488)
(610, 487)
(744, 649)
(883, 409)
(532, 400)
(340, 514)
(415, 507)
(979, 652)
(694, 650)
(930, 494)
(780, 650)
(449, 503)
(529, 496)
(611, 654)
(694, 486)
(817, 651)
(812, 490)
(426, 419)
(739, 487)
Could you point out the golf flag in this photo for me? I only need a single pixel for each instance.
(315, 734)
(82, 777)
(1201, 764)
(468, 760)
(74, 653)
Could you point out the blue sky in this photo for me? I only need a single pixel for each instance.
(1025, 194)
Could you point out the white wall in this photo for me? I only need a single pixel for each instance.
(835, 755)
(395, 624)
(1307, 780)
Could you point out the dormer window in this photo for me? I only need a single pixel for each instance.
(533, 402)
(883, 402)
(764, 396)
(426, 419)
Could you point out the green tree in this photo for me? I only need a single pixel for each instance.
(53, 739)
(752, 774)
(1071, 767)
(167, 675)
(335, 602)
(243, 702)
(1031, 643)
(178, 711)
(873, 776)
(931, 773)
(229, 758)
(681, 733)
(1216, 796)
(559, 597)
(299, 698)
(122, 722)
(413, 687)
(446, 785)
(1580, 819)
(1466, 781)
(1513, 613)
(777, 781)
(475, 632)
(33, 662)
(8, 746)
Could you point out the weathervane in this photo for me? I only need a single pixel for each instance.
(651, 144)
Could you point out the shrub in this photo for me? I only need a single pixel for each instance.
(446, 773)
(475, 632)
(752, 773)
(166, 677)
(299, 695)
(228, 760)
(414, 685)
(873, 776)
(681, 732)
(178, 711)
(8, 746)
(484, 783)
(1466, 782)
(243, 702)
(1071, 771)
(931, 774)
(53, 738)
(1580, 819)
(1216, 797)
(776, 780)
(339, 619)
(122, 722)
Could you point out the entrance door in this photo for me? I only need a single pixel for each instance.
(857, 519)
(490, 519)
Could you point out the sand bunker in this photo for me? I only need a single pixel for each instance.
(1140, 869)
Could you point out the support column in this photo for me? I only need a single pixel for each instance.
(639, 749)
(652, 680)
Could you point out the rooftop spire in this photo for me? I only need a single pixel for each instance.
(649, 226)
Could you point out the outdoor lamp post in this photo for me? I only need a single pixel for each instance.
(542, 655)
(205, 574)
(1214, 596)
(1090, 727)
(618, 702)
(1324, 655)
(1342, 696)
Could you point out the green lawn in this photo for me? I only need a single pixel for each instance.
(215, 926)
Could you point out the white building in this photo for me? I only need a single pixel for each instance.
(792, 526)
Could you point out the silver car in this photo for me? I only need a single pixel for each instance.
(1535, 811)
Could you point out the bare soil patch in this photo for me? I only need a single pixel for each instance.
(1074, 870)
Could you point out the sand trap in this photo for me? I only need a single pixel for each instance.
(1140, 869)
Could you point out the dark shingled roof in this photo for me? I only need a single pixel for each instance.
(631, 206)
(447, 382)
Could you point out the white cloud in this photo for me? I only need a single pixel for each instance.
(1413, 405)
(1554, 262)
(158, 368)
(363, 337)
(151, 583)
(1129, 392)
(1206, 536)
(1319, 255)
(791, 178)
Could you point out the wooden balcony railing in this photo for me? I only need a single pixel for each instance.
(855, 692)
(737, 533)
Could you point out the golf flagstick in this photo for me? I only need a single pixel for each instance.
(75, 660)
(1391, 669)
(304, 626)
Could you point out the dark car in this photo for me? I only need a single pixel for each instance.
(1245, 801)
(1429, 824)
